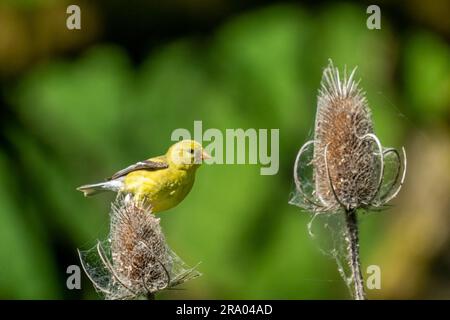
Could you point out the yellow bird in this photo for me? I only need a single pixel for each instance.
(164, 181)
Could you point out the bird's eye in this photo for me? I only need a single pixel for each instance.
(191, 151)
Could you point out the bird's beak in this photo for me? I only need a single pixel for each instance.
(205, 155)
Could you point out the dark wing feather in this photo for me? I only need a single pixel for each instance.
(141, 165)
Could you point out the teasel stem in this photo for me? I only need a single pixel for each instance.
(151, 296)
(353, 254)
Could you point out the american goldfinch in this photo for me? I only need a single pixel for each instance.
(164, 181)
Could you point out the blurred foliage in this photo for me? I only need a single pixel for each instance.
(75, 119)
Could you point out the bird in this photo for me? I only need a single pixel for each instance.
(163, 181)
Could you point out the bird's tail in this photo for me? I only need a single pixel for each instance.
(92, 189)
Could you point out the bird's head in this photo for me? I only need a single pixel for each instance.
(186, 154)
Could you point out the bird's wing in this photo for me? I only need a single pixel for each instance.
(151, 165)
(159, 159)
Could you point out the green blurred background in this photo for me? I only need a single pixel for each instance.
(79, 105)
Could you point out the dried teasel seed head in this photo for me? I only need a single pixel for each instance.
(135, 261)
(348, 161)
(346, 169)
(140, 255)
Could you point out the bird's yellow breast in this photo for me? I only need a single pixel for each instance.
(163, 188)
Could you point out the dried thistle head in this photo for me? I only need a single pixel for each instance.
(348, 159)
(136, 260)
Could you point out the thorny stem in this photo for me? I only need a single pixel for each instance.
(353, 254)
